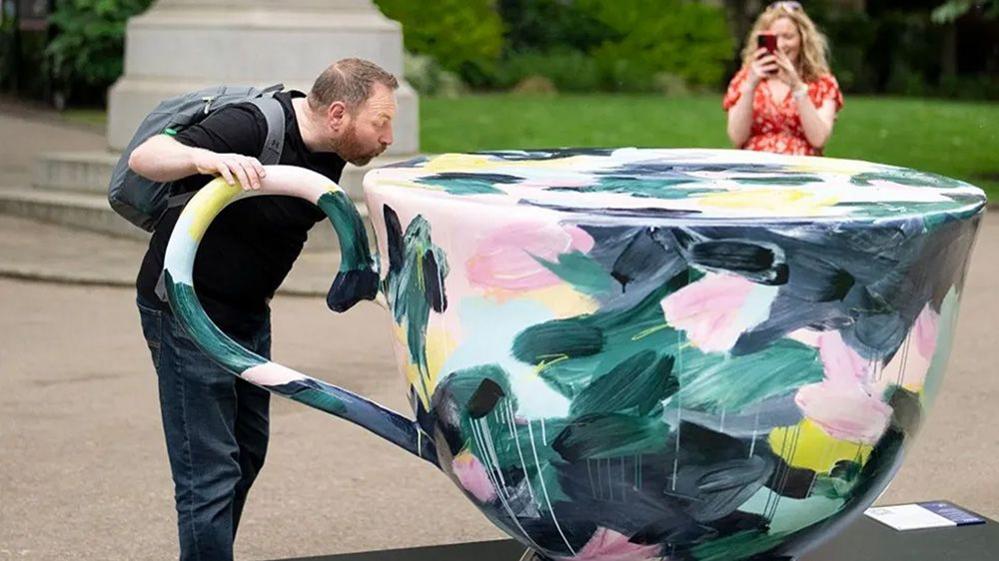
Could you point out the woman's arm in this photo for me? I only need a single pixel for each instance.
(818, 123)
(740, 115)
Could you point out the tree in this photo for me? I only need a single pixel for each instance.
(950, 11)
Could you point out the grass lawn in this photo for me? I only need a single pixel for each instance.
(957, 139)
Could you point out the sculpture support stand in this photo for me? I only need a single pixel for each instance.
(531, 555)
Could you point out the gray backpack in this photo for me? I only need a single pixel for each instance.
(142, 201)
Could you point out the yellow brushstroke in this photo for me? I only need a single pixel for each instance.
(563, 300)
(814, 164)
(479, 162)
(208, 203)
(439, 347)
(778, 201)
(814, 448)
(646, 332)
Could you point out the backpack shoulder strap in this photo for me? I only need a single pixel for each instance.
(274, 116)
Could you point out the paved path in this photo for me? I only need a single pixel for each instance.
(83, 471)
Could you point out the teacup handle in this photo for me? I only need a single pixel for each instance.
(356, 280)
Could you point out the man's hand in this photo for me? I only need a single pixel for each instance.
(162, 158)
(248, 171)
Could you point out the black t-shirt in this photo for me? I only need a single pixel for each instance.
(250, 247)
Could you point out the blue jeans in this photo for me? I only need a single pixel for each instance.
(216, 428)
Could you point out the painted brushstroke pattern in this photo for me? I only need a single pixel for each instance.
(635, 355)
(357, 280)
(728, 385)
(705, 184)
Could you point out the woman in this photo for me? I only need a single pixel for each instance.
(783, 101)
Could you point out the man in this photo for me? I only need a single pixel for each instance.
(216, 425)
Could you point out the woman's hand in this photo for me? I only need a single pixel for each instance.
(787, 73)
(764, 65)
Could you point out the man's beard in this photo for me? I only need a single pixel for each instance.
(350, 148)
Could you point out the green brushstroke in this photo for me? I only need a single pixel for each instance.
(415, 288)
(838, 483)
(715, 382)
(624, 333)
(784, 180)
(558, 339)
(511, 446)
(636, 385)
(645, 188)
(354, 251)
(461, 186)
(907, 177)
(613, 435)
(581, 271)
(737, 547)
(321, 401)
(946, 324)
(572, 353)
(788, 515)
(216, 344)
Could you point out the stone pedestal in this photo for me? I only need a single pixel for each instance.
(183, 45)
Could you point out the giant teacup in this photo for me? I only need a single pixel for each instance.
(628, 355)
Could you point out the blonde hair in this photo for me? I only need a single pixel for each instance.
(813, 56)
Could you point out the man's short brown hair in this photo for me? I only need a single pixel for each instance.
(349, 80)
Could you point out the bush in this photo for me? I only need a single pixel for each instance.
(891, 49)
(569, 71)
(464, 36)
(428, 78)
(551, 25)
(969, 87)
(687, 39)
(535, 86)
(7, 45)
(86, 55)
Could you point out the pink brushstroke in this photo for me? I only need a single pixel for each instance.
(506, 259)
(925, 332)
(608, 545)
(840, 362)
(473, 477)
(843, 404)
(911, 364)
(709, 310)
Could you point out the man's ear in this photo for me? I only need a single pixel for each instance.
(336, 114)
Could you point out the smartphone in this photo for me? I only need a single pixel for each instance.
(767, 41)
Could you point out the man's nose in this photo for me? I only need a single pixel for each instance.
(386, 138)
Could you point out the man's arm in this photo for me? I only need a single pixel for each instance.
(161, 158)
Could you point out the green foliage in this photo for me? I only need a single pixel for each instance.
(551, 25)
(89, 46)
(951, 10)
(852, 36)
(955, 139)
(464, 36)
(687, 39)
(901, 51)
(428, 78)
(7, 45)
(569, 70)
(627, 45)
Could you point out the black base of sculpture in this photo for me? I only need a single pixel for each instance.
(864, 540)
(532, 556)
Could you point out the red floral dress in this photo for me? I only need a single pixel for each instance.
(777, 126)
